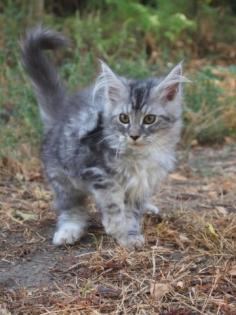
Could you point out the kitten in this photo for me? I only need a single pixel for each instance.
(115, 140)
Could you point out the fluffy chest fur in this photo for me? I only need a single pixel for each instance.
(139, 176)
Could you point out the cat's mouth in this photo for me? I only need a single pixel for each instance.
(135, 144)
(138, 144)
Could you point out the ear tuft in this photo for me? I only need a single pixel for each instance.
(108, 82)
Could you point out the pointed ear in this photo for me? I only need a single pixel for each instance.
(112, 86)
(170, 87)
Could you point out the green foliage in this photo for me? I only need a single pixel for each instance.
(163, 19)
(19, 120)
(209, 106)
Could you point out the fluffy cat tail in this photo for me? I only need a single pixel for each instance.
(48, 86)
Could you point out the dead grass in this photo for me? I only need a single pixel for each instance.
(187, 267)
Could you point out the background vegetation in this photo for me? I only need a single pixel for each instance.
(137, 38)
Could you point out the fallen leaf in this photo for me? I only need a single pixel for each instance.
(40, 193)
(183, 238)
(232, 271)
(222, 211)
(211, 230)
(158, 290)
(180, 284)
(25, 216)
(34, 176)
(178, 177)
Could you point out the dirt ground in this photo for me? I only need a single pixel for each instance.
(187, 266)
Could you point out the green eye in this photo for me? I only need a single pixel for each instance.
(124, 118)
(149, 119)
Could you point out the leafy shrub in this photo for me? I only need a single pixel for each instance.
(163, 20)
(210, 106)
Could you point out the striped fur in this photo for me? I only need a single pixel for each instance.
(88, 150)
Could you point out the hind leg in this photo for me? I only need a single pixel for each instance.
(70, 227)
(73, 216)
(150, 208)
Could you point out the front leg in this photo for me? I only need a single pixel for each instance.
(120, 221)
(132, 238)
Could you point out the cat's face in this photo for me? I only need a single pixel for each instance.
(140, 114)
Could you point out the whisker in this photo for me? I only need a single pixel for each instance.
(118, 150)
(105, 138)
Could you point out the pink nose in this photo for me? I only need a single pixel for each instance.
(134, 137)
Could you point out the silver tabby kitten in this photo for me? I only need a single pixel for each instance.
(114, 140)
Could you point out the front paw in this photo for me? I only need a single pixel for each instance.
(151, 209)
(131, 241)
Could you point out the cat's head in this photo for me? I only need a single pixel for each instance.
(141, 114)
